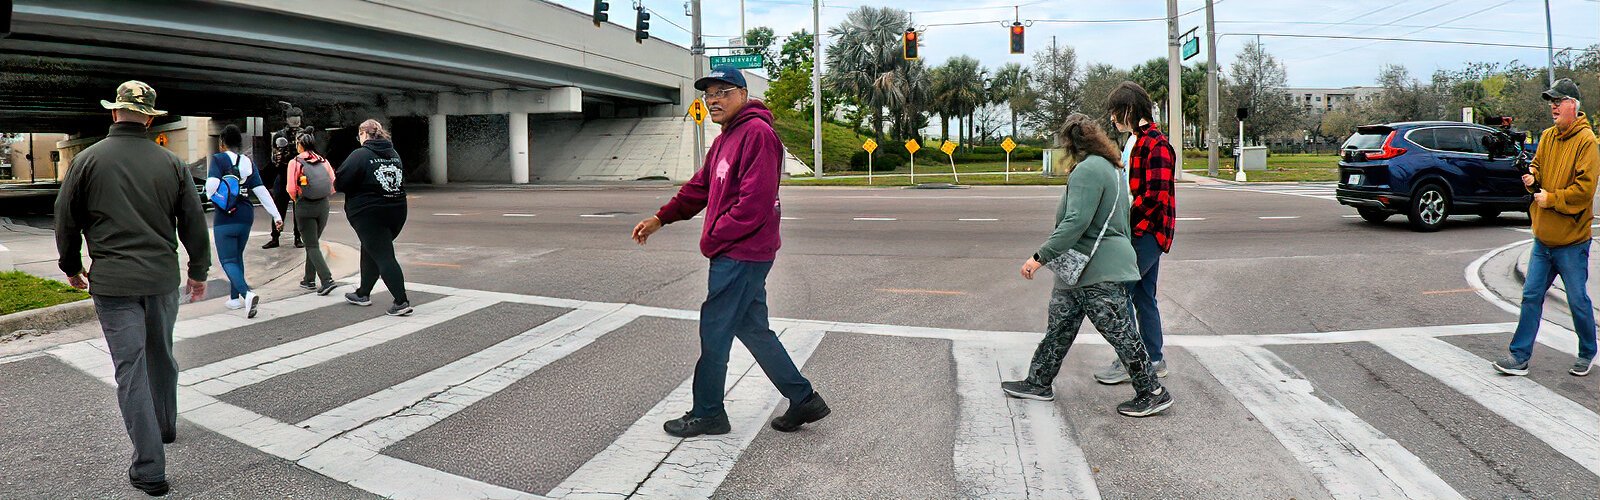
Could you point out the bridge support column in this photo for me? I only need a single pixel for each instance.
(438, 154)
(519, 148)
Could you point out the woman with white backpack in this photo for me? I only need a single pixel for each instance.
(310, 184)
(230, 176)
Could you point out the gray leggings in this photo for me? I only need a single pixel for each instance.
(312, 219)
(1109, 307)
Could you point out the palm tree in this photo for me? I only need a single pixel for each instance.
(942, 99)
(965, 90)
(864, 56)
(1010, 87)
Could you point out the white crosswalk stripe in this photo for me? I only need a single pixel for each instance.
(1321, 191)
(1004, 448)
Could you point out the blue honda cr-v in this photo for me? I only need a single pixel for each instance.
(1430, 171)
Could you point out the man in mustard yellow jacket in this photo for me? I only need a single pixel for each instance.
(1563, 209)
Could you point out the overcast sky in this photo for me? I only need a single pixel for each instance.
(1310, 62)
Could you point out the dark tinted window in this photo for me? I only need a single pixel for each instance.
(1455, 140)
(1423, 138)
(1475, 138)
(1365, 141)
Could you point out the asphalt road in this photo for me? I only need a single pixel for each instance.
(1313, 355)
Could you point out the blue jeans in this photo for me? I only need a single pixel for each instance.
(231, 239)
(736, 306)
(1144, 294)
(1544, 264)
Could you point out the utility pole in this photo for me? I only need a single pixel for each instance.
(1550, 44)
(697, 48)
(1211, 90)
(816, 88)
(1174, 87)
(744, 34)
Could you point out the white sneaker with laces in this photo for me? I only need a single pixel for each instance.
(235, 304)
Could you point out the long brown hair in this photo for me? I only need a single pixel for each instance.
(1129, 104)
(1081, 136)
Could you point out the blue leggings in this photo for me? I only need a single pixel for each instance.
(231, 239)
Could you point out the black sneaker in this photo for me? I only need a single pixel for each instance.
(270, 244)
(308, 285)
(812, 409)
(690, 426)
(152, 488)
(358, 299)
(299, 244)
(1145, 405)
(326, 288)
(1028, 390)
(400, 309)
(169, 437)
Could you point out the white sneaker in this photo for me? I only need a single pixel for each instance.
(251, 300)
(235, 304)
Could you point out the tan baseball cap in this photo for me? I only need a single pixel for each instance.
(134, 95)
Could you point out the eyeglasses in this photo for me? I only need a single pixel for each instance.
(720, 94)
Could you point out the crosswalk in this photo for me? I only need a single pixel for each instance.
(1002, 448)
(1318, 190)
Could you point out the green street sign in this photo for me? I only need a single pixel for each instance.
(1191, 47)
(741, 61)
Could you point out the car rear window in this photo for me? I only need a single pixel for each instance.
(1365, 141)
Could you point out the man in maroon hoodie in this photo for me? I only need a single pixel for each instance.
(738, 188)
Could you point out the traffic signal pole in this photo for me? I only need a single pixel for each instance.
(697, 48)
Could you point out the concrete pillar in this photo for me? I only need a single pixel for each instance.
(438, 169)
(519, 148)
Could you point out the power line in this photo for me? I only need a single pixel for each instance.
(1110, 21)
(1456, 28)
(1396, 39)
(1451, 20)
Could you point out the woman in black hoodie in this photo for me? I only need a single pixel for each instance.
(373, 182)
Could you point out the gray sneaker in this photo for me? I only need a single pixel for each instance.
(1161, 368)
(1581, 367)
(1510, 366)
(1112, 375)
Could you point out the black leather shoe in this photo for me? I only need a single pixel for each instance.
(270, 245)
(808, 411)
(152, 488)
(690, 426)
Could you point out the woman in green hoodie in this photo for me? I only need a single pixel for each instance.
(1091, 221)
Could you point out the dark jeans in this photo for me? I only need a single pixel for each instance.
(1105, 304)
(1144, 294)
(280, 197)
(314, 215)
(138, 332)
(377, 228)
(231, 239)
(736, 306)
(1571, 262)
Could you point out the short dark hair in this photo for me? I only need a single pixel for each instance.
(307, 141)
(1129, 103)
(232, 137)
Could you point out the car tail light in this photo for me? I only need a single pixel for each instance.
(1389, 151)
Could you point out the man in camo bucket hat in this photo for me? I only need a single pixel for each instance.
(133, 201)
(134, 95)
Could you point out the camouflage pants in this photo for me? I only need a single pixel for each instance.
(1109, 307)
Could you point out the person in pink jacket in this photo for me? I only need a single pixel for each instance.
(310, 184)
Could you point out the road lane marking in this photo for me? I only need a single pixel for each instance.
(978, 220)
(876, 219)
(790, 218)
(1011, 448)
(1191, 219)
(647, 463)
(598, 216)
(519, 215)
(1351, 216)
(1562, 423)
(1346, 454)
(920, 292)
(1280, 217)
(447, 214)
(1447, 292)
(436, 264)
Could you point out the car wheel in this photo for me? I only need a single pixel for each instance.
(1373, 215)
(1429, 208)
(1489, 215)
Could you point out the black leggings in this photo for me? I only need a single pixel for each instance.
(377, 228)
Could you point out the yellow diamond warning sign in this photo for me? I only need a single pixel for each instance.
(697, 109)
(949, 148)
(870, 146)
(912, 146)
(1008, 145)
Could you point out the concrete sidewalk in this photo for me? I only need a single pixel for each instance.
(274, 274)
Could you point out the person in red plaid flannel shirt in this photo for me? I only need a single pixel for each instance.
(1151, 167)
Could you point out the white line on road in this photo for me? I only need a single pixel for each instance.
(647, 463)
(206, 325)
(1348, 456)
(978, 220)
(1562, 423)
(520, 215)
(1191, 219)
(1351, 216)
(1011, 448)
(400, 396)
(598, 216)
(230, 374)
(1280, 217)
(790, 218)
(446, 215)
(876, 219)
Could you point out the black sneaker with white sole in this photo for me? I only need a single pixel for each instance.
(1510, 366)
(689, 426)
(400, 309)
(1028, 390)
(358, 299)
(1580, 367)
(812, 409)
(1147, 404)
(326, 288)
(308, 286)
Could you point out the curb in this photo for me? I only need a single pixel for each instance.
(49, 318)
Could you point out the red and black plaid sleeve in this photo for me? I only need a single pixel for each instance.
(1151, 180)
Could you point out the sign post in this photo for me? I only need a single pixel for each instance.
(949, 149)
(870, 146)
(912, 146)
(1008, 145)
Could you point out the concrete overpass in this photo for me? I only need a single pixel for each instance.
(463, 87)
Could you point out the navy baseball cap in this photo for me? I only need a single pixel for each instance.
(725, 73)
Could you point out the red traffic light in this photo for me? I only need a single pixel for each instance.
(908, 44)
(1016, 38)
(1016, 29)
